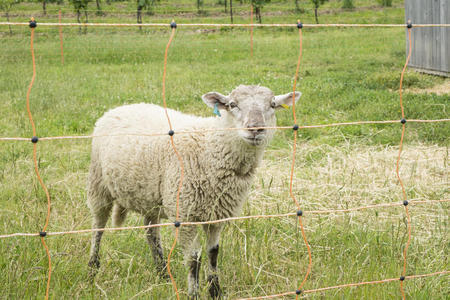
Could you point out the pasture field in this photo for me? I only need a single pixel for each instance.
(346, 75)
(212, 11)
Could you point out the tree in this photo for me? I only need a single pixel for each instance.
(80, 5)
(44, 6)
(317, 4)
(231, 11)
(6, 5)
(298, 8)
(199, 6)
(99, 8)
(385, 2)
(141, 5)
(348, 4)
(258, 5)
(225, 4)
(45, 2)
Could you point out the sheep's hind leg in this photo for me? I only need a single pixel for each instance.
(212, 247)
(154, 241)
(192, 255)
(100, 217)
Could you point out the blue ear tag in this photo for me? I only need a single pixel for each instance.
(216, 109)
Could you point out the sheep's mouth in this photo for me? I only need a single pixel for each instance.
(255, 141)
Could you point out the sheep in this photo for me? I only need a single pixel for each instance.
(132, 171)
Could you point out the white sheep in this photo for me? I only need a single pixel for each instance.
(131, 171)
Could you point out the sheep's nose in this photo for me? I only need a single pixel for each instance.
(255, 130)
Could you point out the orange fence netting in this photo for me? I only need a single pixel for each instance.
(299, 213)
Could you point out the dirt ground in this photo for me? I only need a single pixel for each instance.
(440, 89)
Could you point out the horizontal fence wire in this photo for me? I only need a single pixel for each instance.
(295, 127)
(291, 214)
(214, 25)
(346, 285)
(75, 137)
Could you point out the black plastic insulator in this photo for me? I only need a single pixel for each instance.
(177, 224)
(402, 278)
(34, 139)
(299, 213)
(409, 24)
(173, 24)
(171, 132)
(403, 121)
(32, 23)
(298, 292)
(405, 203)
(299, 25)
(42, 234)
(295, 127)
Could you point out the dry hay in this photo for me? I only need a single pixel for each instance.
(439, 89)
(329, 177)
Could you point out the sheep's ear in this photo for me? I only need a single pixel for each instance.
(213, 97)
(285, 100)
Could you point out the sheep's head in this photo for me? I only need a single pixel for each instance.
(250, 107)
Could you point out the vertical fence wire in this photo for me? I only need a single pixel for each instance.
(180, 184)
(36, 168)
(405, 201)
(294, 149)
(61, 38)
(251, 29)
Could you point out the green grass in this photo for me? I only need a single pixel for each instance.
(346, 75)
(366, 11)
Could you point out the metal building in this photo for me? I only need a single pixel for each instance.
(430, 45)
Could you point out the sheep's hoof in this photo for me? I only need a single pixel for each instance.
(214, 287)
(93, 265)
(163, 274)
(161, 271)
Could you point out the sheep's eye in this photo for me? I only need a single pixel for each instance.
(233, 104)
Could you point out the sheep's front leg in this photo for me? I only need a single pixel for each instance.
(213, 234)
(192, 255)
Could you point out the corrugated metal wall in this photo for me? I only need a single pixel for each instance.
(430, 45)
